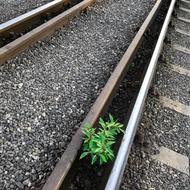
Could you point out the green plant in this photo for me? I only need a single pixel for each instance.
(131, 66)
(97, 143)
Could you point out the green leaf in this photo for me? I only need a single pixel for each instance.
(86, 141)
(111, 156)
(111, 118)
(85, 147)
(110, 143)
(102, 123)
(110, 124)
(86, 125)
(94, 159)
(98, 143)
(91, 144)
(84, 154)
(97, 150)
(103, 158)
(122, 130)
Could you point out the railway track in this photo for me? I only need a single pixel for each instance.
(66, 169)
(123, 154)
(59, 179)
(18, 25)
(165, 163)
(23, 31)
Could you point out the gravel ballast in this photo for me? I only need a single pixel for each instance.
(176, 57)
(47, 90)
(10, 9)
(159, 127)
(183, 14)
(170, 81)
(180, 39)
(181, 24)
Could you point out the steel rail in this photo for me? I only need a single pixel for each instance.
(124, 150)
(13, 48)
(68, 158)
(22, 19)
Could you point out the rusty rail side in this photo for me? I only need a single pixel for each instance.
(12, 49)
(61, 169)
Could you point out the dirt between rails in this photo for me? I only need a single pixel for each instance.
(95, 177)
